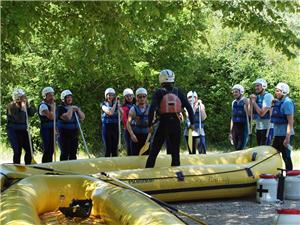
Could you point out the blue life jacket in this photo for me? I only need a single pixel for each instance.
(278, 117)
(45, 122)
(140, 122)
(70, 124)
(109, 119)
(238, 112)
(259, 102)
(16, 125)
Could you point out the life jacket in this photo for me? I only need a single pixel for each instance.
(45, 122)
(126, 107)
(170, 102)
(70, 124)
(278, 117)
(197, 120)
(259, 102)
(238, 111)
(106, 119)
(140, 122)
(16, 124)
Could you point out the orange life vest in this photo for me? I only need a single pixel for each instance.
(171, 103)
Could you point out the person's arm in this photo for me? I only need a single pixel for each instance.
(67, 115)
(110, 111)
(264, 109)
(80, 113)
(45, 112)
(153, 107)
(186, 104)
(203, 112)
(128, 126)
(289, 129)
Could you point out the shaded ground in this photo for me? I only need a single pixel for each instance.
(245, 211)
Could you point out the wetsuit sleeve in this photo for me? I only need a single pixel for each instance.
(185, 103)
(154, 106)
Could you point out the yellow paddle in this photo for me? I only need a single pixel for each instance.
(147, 143)
(190, 139)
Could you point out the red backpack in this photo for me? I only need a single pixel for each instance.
(171, 103)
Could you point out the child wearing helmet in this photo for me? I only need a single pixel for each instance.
(128, 103)
(168, 101)
(261, 103)
(110, 128)
(17, 126)
(239, 125)
(200, 116)
(283, 119)
(137, 122)
(46, 114)
(68, 126)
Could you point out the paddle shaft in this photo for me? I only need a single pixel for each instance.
(29, 136)
(84, 142)
(155, 199)
(54, 131)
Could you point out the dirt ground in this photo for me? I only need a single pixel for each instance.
(245, 211)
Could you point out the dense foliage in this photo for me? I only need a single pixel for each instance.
(89, 46)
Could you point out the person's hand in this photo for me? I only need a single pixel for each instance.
(230, 138)
(75, 108)
(253, 98)
(23, 105)
(192, 126)
(286, 142)
(133, 138)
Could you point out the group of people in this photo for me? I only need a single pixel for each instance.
(158, 122)
(274, 118)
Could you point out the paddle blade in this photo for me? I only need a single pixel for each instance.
(190, 139)
(144, 148)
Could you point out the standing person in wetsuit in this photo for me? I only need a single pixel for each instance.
(47, 114)
(110, 128)
(128, 103)
(68, 126)
(17, 127)
(261, 102)
(239, 119)
(283, 119)
(168, 101)
(137, 123)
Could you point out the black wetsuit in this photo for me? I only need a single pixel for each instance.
(168, 128)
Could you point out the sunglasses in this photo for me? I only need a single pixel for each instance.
(129, 96)
(141, 96)
(236, 92)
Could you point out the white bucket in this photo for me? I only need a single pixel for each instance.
(287, 217)
(292, 185)
(266, 191)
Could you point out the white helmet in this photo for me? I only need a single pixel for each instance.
(47, 90)
(166, 76)
(191, 94)
(64, 94)
(141, 91)
(127, 91)
(109, 91)
(285, 89)
(239, 87)
(262, 82)
(17, 93)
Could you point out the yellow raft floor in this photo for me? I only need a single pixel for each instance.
(56, 217)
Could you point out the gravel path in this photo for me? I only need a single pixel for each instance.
(244, 211)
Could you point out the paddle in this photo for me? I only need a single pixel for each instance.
(119, 125)
(29, 137)
(54, 131)
(120, 184)
(84, 142)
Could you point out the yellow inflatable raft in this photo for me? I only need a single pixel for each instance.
(25, 202)
(200, 176)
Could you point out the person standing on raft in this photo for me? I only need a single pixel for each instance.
(110, 119)
(137, 123)
(283, 119)
(17, 127)
(68, 126)
(168, 101)
(239, 124)
(46, 113)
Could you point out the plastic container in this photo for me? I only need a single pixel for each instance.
(292, 185)
(287, 217)
(266, 191)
